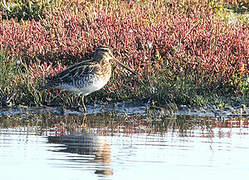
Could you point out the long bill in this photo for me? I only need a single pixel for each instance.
(124, 66)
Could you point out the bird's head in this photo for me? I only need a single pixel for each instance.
(105, 53)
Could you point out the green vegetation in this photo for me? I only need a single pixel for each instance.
(25, 9)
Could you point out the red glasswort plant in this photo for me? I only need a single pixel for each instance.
(163, 41)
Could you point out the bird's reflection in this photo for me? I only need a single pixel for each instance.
(90, 145)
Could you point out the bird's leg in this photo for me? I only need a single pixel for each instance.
(83, 103)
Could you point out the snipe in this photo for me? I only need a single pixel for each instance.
(86, 77)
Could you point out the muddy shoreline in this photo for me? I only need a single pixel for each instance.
(136, 108)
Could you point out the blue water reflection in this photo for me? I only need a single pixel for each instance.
(110, 147)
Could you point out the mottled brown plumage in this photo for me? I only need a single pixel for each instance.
(85, 77)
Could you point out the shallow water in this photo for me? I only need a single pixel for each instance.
(118, 146)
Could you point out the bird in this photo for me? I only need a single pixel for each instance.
(87, 76)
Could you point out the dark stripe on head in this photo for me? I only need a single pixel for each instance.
(104, 48)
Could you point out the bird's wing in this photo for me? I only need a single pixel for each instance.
(75, 72)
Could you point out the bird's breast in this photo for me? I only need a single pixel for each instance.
(88, 84)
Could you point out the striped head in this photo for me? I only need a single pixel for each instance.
(103, 53)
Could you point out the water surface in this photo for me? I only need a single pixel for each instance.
(119, 146)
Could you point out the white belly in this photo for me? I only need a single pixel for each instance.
(85, 88)
(95, 86)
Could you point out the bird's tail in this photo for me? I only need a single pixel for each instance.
(43, 87)
(46, 86)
